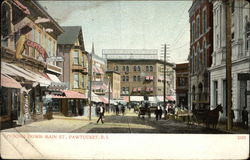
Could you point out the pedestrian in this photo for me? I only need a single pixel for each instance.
(117, 110)
(244, 117)
(157, 113)
(101, 114)
(123, 110)
(160, 112)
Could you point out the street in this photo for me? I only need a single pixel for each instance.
(129, 123)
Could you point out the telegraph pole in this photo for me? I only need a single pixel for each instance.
(228, 63)
(90, 84)
(164, 84)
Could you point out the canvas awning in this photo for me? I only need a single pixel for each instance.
(103, 99)
(151, 77)
(8, 82)
(134, 89)
(68, 94)
(170, 98)
(54, 78)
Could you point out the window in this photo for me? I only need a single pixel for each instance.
(134, 68)
(134, 78)
(204, 52)
(82, 81)
(198, 27)
(123, 78)
(76, 80)
(124, 68)
(127, 78)
(116, 68)
(138, 78)
(49, 48)
(5, 21)
(44, 41)
(76, 57)
(4, 100)
(147, 68)
(193, 31)
(151, 68)
(204, 21)
(233, 6)
(215, 93)
(138, 68)
(127, 68)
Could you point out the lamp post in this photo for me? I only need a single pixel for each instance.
(109, 93)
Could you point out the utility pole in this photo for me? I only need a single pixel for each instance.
(90, 84)
(228, 63)
(164, 84)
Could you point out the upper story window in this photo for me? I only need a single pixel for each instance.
(124, 68)
(193, 31)
(127, 68)
(5, 20)
(151, 68)
(76, 80)
(76, 57)
(147, 68)
(197, 27)
(204, 20)
(127, 78)
(116, 68)
(134, 68)
(123, 78)
(134, 78)
(233, 6)
(138, 68)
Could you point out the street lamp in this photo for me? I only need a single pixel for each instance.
(109, 93)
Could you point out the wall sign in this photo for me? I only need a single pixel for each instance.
(38, 47)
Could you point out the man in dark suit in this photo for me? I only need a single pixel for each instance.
(101, 114)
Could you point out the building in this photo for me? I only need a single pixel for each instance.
(182, 77)
(201, 49)
(142, 79)
(28, 39)
(240, 58)
(75, 68)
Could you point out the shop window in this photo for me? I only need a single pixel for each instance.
(76, 80)
(76, 57)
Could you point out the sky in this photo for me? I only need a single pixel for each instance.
(128, 24)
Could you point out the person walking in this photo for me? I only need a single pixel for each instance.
(160, 112)
(157, 113)
(101, 114)
(123, 110)
(244, 114)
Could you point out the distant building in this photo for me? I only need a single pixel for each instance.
(182, 77)
(142, 79)
(201, 49)
(99, 67)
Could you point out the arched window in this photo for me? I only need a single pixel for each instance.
(193, 92)
(204, 52)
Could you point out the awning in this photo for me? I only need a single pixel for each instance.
(138, 89)
(147, 89)
(54, 78)
(125, 98)
(71, 95)
(147, 77)
(135, 89)
(104, 99)
(8, 82)
(170, 98)
(13, 70)
(136, 98)
(151, 89)
(151, 77)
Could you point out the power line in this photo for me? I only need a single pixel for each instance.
(179, 47)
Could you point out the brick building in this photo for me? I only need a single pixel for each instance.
(182, 76)
(201, 49)
(143, 79)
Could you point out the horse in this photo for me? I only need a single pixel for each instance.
(212, 116)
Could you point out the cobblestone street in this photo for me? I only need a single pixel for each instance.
(129, 123)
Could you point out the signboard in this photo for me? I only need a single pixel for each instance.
(38, 47)
(55, 59)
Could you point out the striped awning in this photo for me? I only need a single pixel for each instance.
(8, 82)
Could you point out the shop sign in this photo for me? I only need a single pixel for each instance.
(55, 59)
(38, 47)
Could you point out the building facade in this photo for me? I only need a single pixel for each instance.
(182, 77)
(142, 79)
(201, 49)
(28, 38)
(75, 67)
(114, 84)
(240, 58)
